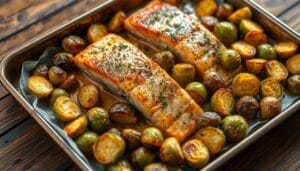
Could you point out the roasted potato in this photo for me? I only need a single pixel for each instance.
(266, 51)
(197, 91)
(73, 44)
(115, 24)
(235, 128)
(76, 127)
(256, 65)
(141, 157)
(209, 119)
(206, 8)
(269, 107)
(115, 131)
(276, 70)
(246, 50)
(41, 70)
(70, 84)
(238, 15)
(122, 113)
(209, 22)
(293, 84)
(114, 148)
(98, 119)
(56, 93)
(132, 137)
(249, 25)
(230, 59)
(213, 138)
(245, 84)
(96, 32)
(183, 73)
(164, 59)
(271, 87)
(213, 81)
(57, 75)
(255, 38)
(39, 86)
(88, 96)
(156, 167)
(222, 102)
(226, 32)
(152, 138)
(224, 11)
(170, 152)
(293, 64)
(248, 107)
(86, 141)
(195, 153)
(120, 165)
(65, 109)
(286, 49)
(63, 60)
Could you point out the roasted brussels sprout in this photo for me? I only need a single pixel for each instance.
(156, 167)
(63, 60)
(285, 49)
(56, 93)
(183, 73)
(70, 84)
(41, 70)
(122, 113)
(245, 84)
(266, 51)
(170, 152)
(222, 102)
(271, 87)
(95, 32)
(269, 107)
(224, 11)
(76, 127)
(256, 65)
(115, 131)
(213, 81)
(235, 128)
(230, 59)
(293, 64)
(65, 109)
(142, 156)
(88, 96)
(86, 141)
(276, 70)
(108, 148)
(197, 91)
(209, 22)
(206, 8)
(195, 153)
(73, 44)
(120, 165)
(293, 84)
(57, 75)
(165, 59)
(209, 119)
(255, 38)
(152, 138)
(226, 32)
(238, 15)
(98, 119)
(213, 138)
(246, 50)
(132, 137)
(39, 86)
(248, 25)
(115, 25)
(247, 106)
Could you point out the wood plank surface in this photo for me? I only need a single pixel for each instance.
(292, 17)
(277, 7)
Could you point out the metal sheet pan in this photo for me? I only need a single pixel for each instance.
(11, 64)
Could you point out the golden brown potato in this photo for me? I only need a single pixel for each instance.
(222, 102)
(63, 60)
(115, 24)
(213, 81)
(39, 86)
(238, 15)
(209, 119)
(271, 87)
(224, 11)
(246, 50)
(57, 75)
(206, 8)
(293, 64)
(276, 70)
(65, 109)
(122, 113)
(76, 127)
(209, 22)
(41, 70)
(269, 107)
(286, 49)
(88, 96)
(70, 84)
(256, 66)
(96, 31)
(256, 38)
(247, 106)
(196, 153)
(73, 44)
(249, 25)
(245, 84)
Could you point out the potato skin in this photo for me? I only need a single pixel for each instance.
(73, 44)
(256, 65)
(238, 15)
(276, 70)
(132, 137)
(206, 8)
(235, 128)
(224, 11)
(196, 153)
(41, 70)
(65, 109)
(122, 113)
(286, 49)
(152, 138)
(57, 75)
(209, 119)
(96, 31)
(248, 25)
(271, 87)
(170, 152)
(293, 84)
(70, 84)
(269, 107)
(76, 127)
(246, 50)
(256, 38)
(245, 84)
(142, 156)
(88, 96)
(164, 59)
(115, 25)
(248, 107)
(63, 60)
(222, 102)
(209, 22)
(213, 81)
(293, 64)
(39, 86)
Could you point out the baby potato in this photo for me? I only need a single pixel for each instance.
(249, 25)
(88, 96)
(152, 138)
(164, 59)
(276, 70)
(266, 51)
(57, 75)
(56, 93)
(209, 22)
(65, 109)
(269, 107)
(238, 15)
(247, 106)
(222, 102)
(256, 65)
(213, 81)
(170, 152)
(213, 138)
(246, 50)
(183, 73)
(226, 32)
(245, 84)
(95, 32)
(73, 44)
(70, 84)
(209, 119)
(114, 148)
(224, 11)
(142, 156)
(120, 165)
(235, 128)
(206, 8)
(63, 60)
(293, 84)
(286, 49)
(255, 38)
(41, 70)
(76, 127)
(156, 167)
(86, 141)
(271, 87)
(197, 91)
(230, 59)
(115, 24)
(39, 86)
(122, 113)
(98, 119)
(293, 64)
(195, 153)
(132, 137)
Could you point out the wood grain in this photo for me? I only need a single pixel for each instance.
(276, 7)
(3, 91)
(292, 17)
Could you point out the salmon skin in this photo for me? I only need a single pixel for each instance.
(128, 71)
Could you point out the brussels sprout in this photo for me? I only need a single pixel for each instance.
(256, 66)
(121, 165)
(76, 127)
(238, 15)
(73, 44)
(56, 93)
(39, 86)
(266, 51)
(170, 152)
(70, 84)
(213, 81)
(165, 59)
(196, 153)
(245, 84)
(226, 32)
(132, 137)
(197, 91)
(248, 25)
(63, 60)
(269, 107)
(285, 49)
(115, 131)
(156, 167)
(293, 64)
(122, 113)
(65, 109)
(88, 96)
(222, 102)
(271, 87)
(57, 75)
(41, 70)
(209, 22)
(246, 50)
(293, 84)
(213, 138)
(206, 7)
(248, 107)
(115, 25)
(235, 128)
(86, 141)
(98, 119)
(142, 156)
(108, 148)
(224, 11)
(276, 70)
(183, 73)
(209, 119)
(96, 32)
(230, 59)
(152, 138)
(255, 38)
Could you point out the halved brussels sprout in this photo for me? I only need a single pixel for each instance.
(195, 153)
(256, 65)
(245, 84)
(170, 152)
(197, 91)
(165, 59)
(156, 167)
(249, 25)
(235, 128)
(209, 22)
(276, 70)
(269, 107)
(41, 70)
(222, 102)
(246, 50)
(183, 73)
(76, 127)
(120, 165)
(266, 51)
(271, 87)
(98, 119)
(39, 86)
(238, 15)
(56, 93)
(73, 44)
(224, 11)
(88, 96)
(230, 59)
(122, 113)
(256, 38)
(132, 137)
(293, 84)
(142, 156)
(248, 107)
(65, 109)
(226, 32)
(96, 32)
(213, 81)
(286, 49)
(63, 60)
(293, 64)
(152, 138)
(115, 24)
(70, 84)
(86, 141)
(206, 8)
(209, 119)
(57, 75)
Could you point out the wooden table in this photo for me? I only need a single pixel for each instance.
(25, 146)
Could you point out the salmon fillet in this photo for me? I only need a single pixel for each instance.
(128, 71)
